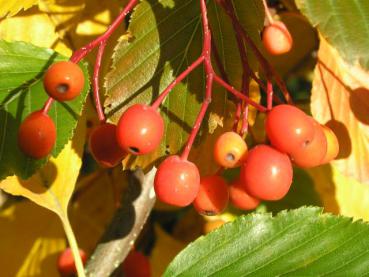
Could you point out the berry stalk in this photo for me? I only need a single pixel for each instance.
(95, 82)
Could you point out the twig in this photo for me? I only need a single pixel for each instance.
(125, 226)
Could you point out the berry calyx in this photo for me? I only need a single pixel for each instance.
(313, 153)
(266, 173)
(140, 129)
(64, 81)
(230, 150)
(104, 146)
(66, 265)
(288, 128)
(177, 181)
(136, 264)
(37, 135)
(277, 39)
(240, 198)
(213, 195)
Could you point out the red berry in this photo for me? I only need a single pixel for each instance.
(140, 129)
(240, 198)
(37, 135)
(64, 81)
(136, 265)
(313, 153)
(177, 181)
(230, 150)
(266, 173)
(213, 195)
(277, 39)
(288, 128)
(104, 146)
(66, 265)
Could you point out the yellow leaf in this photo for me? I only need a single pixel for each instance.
(340, 98)
(164, 251)
(341, 194)
(104, 189)
(52, 186)
(34, 27)
(32, 238)
(11, 7)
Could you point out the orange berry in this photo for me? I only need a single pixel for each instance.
(64, 81)
(37, 135)
(332, 145)
(240, 198)
(313, 153)
(230, 150)
(213, 195)
(66, 265)
(277, 39)
(136, 265)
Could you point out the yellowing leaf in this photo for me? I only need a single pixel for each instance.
(33, 27)
(340, 97)
(31, 239)
(341, 194)
(11, 7)
(104, 189)
(164, 251)
(52, 186)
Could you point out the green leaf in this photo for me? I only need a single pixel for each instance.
(164, 38)
(302, 242)
(21, 92)
(344, 24)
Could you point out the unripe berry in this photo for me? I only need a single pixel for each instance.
(66, 265)
(314, 152)
(266, 173)
(177, 181)
(230, 150)
(64, 81)
(37, 135)
(333, 147)
(104, 146)
(288, 128)
(277, 39)
(136, 265)
(213, 195)
(140, 129)
(240, 198)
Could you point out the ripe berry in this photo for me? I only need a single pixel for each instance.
(277, 39)
(104, 146)
(230, 150)
(313, 153)
(66, 265)
(213, 195)
(37, 135)
(140, 129)
(240, 198)
(64, 81)
(266, 173)
(136, 265)
(288, 128)
(177, 181)
(332, 145)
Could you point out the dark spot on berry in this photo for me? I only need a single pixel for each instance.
(62, 88)
(134, 150)
(230, 157)
(209, 213)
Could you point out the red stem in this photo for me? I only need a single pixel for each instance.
(47, 105)
(95, 82)
(239, 94)
(269, 93)
(267, 12)
(183, 75)
(82, 52)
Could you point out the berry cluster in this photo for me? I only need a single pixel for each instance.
(266, 170)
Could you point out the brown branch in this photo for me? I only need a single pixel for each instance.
(137, 203)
